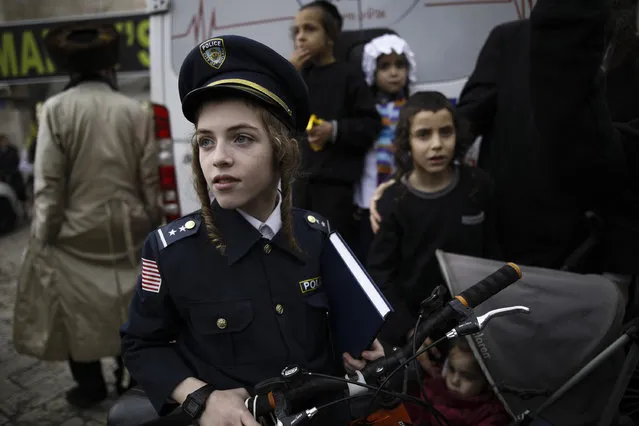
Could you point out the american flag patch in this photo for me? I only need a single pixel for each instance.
(151, 280)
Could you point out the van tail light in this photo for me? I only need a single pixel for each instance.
(168, 181)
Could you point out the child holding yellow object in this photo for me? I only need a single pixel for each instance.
(346, 121)
(312, 122)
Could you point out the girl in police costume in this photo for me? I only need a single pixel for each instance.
(220, 304)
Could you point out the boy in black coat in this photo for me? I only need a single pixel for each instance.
(333, 155)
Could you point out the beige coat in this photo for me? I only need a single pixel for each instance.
(96, 198)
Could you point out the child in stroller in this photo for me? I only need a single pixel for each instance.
(459, 391)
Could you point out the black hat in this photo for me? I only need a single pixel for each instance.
(329, 8)
(83, 46)
(243, 66)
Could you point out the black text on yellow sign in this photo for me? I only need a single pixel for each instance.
(23, 55)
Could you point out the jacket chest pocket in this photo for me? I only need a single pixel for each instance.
(473, 219)
(470, 235)
(310, 324)
(221, 330)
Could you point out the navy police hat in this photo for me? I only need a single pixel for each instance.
(240, 65)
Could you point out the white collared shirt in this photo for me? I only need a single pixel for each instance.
(272, 225)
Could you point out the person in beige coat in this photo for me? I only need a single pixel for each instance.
(96, 197)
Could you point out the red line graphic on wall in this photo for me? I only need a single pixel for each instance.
(200, 31)
(523, 7)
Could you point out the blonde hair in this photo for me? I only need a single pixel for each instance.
(286, 159)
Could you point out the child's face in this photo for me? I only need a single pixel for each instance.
(463, 376)
(432, 140)
(392, 73)
(236, 156)
(309, 32)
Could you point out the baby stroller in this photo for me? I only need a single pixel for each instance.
(571, 337)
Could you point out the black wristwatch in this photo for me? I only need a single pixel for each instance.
(195, 402)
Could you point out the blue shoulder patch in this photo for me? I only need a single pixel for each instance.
(177, 230)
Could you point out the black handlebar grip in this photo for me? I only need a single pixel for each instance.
(491, 285)
(471, 297)
(315, 386)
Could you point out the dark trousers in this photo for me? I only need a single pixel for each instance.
(334, 201)
(16, 182)
(89, 375)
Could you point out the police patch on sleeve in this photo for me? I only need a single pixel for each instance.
(177, 230)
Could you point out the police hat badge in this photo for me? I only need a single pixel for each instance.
(83, 46)
(213, 52)
(239, 66)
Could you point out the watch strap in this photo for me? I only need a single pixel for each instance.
(195, 402)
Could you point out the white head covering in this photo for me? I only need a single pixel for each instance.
(385, 45)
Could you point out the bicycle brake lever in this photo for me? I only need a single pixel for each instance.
(476, 324)
(483, 320)
(296, 419)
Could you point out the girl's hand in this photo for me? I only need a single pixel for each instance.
(351, 364)
(375, 217)
(226, 408)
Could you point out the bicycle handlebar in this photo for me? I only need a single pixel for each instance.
(461, 305)
(264, 404)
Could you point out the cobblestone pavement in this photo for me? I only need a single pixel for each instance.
(31, 391)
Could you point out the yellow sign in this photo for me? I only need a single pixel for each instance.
(24, 57)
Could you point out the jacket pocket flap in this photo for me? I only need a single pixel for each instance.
(221, 317)
(474, 219)
(317, 300)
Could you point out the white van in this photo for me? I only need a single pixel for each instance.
(446, 36)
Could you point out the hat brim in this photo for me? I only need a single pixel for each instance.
(233, 87)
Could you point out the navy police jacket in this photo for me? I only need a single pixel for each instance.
(232, 319)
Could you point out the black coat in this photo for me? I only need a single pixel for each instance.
(541, 172)
(596, 158)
